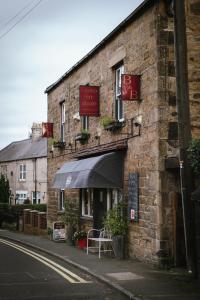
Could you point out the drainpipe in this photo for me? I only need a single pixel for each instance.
(184, 130)
(35, 179)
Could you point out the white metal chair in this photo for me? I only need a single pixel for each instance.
(103, 239)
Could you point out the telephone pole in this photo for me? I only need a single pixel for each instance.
(184, 129)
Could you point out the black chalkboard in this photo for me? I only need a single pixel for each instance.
(133, 197)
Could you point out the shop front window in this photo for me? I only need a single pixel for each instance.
(87, 202)
(113, 196)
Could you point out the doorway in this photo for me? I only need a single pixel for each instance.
(99, 207)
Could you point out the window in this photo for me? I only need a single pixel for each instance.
(118, 101)
(22, 172)
(61, 206)
(21, 196)
(114, 196)
(62, 125)
(87, 202)
(85, 123)
(4, 170)
(37, 199)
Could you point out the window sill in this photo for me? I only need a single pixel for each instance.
(60, 212)
(86, 217)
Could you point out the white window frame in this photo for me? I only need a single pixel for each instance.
(87, 201)
(114, 196)
(22, 172)
(36, 200)
(21, 196)
(119, 111)
(61, 199)
(62, 125)
(85, 123)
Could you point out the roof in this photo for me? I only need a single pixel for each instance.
(25, 149)
(137, 12)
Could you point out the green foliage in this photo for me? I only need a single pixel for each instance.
(4, 189)
(10, 213)
(194, 155)
(70, 216)
(18, 208)
(116, 220)
(78, 235)
(106, 120)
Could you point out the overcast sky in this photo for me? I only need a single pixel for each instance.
(38, 45)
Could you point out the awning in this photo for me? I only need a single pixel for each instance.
(104, 171)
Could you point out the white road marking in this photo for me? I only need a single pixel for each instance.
(72, 278)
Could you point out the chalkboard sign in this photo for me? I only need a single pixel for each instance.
(133, 197)
(59, 233)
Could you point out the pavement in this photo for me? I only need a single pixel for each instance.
(136, 280)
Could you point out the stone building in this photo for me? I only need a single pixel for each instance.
(24, 163)
(138, 153)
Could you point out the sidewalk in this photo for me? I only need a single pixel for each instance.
(135, 279)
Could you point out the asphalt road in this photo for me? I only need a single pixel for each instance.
(27, 274)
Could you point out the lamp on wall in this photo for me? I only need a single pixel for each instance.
(76, 116)
(137, 121)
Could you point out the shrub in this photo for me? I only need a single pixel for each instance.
(194, 155)
(116, 220)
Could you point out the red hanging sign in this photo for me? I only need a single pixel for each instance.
(47, 130)
(89, 100)
(130, 89)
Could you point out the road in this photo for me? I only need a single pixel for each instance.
(27, 274)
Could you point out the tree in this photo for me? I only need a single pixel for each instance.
(4, 189)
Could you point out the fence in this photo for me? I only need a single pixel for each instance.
(34, 222)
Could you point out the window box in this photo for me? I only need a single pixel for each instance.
(82, 137)
(114, 126)
(59, 144)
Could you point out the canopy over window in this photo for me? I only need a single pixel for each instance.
(104, 171)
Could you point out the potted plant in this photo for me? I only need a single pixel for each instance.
(110, 124)
(83, 136)
(70, 218)
(81, 238)
(116, 222)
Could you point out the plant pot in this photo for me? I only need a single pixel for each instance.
(119, 246)
(82, 243)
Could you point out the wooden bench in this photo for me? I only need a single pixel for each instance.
(102, 237)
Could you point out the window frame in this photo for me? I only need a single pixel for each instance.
(61, 200)
(119, 110)
(85, 123)
(21, 196)
(90, 197)
(62, 121)
(22, 172)
(36, 200)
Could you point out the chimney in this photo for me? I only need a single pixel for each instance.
(36, 131)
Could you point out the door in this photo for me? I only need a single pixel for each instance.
(99, 207)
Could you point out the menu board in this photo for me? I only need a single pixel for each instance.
(59, 232)
(133, 197)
